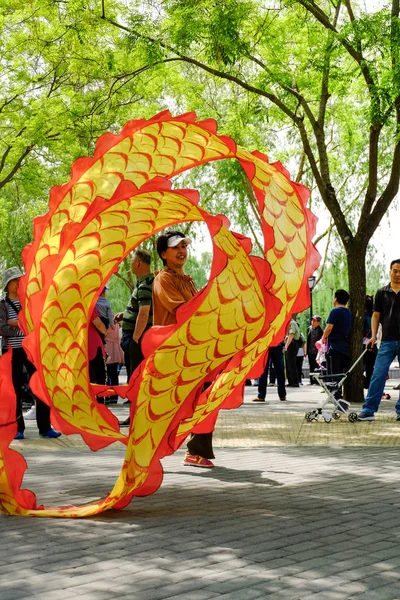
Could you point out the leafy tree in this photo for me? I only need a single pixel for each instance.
(327, 70)
(321, 81)
(62, 85)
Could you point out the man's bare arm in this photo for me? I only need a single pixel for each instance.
(289, 340)
(327, 332)
(376, 317)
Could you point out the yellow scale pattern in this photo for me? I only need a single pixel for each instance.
(228, 320)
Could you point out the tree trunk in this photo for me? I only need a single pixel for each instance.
(356, 255)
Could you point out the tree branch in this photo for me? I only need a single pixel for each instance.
(325, 95)
(7, 102)
(327, 231)
(319, 14)
(3, 158)
(326, 190)
(17, 166)
(300, 171)
(370, 195)
(215, 72)
(125, 280)
(291, 90)
(386, 198)
(324, 260)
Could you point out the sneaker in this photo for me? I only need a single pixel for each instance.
(19, 436)
(397, 417)
(197, 461)
(258, 399)
(51, 433)
(31, 414)
(125, 423)
(365, 417)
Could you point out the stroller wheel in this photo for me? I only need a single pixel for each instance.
(327, 419)
(308, 417)
(352, 417)
(336, 415)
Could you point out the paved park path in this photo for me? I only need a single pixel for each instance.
(293, 510)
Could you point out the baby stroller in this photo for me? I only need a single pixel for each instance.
(332, 385)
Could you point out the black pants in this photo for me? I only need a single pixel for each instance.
(200, 444)
(135, 356)
(19, 360)
(299, 366)
(97, 371)
(275, 359)
(272, 374)
(369, 361)
(132, 353)
(112, 377)
(312, 361)
(291, 366)
(336, 363)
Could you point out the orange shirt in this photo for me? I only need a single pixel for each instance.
(170, 291)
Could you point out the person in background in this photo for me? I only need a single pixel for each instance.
(291, 347)
(97, 331)
(138, 315)
(300, 358)
(12, 338)
(314, 333)
(103, 307)
(370, 356)
(171, 289)
(337, 335)
(115, 358)
(275, 359)
(387, 313)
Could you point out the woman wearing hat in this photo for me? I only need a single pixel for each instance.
(171, 289)
(12, 337)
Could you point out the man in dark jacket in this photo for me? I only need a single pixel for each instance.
(314, 333)
(387, 313)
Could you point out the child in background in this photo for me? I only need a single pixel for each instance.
(115, 358)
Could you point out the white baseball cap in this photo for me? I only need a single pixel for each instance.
(177, 239)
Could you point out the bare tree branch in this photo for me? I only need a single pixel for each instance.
(300, 171)
(327, 231)
(128, 283)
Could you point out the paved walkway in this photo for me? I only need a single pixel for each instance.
(310, 515)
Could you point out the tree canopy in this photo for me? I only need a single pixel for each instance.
(315, 84)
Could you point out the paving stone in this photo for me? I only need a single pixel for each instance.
(243, 594)
(289, 520)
